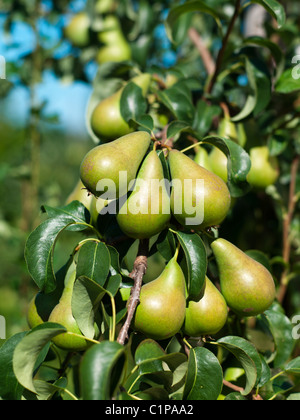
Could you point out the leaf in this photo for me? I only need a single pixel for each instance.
(247, 355)
(94, 261)
(275, 9)
(204, 379)
(196, 258)
(293, 366)
(86, 299)
(188, 7)
(260, 94)
(166, 244)
(10, 389)
(289, 81)
(204, 117)
(282, 331)
(28, 350)
(176, 127)
(133, 105)
(146, 122)
(239, 164)
(39, 251)
(266, 43)
(74, 212)
(179, 101)
(96, 370)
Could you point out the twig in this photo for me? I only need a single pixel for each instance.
(139, 270)
(205, 54)
(224, 46)
(236, 388)
(286, 228)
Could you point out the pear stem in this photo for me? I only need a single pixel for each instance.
(192, 146)
(138, 272)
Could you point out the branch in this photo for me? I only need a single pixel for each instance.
(205, 54)
(138, 272)
(224, 46)
(287, 226)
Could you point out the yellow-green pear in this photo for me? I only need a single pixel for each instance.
(77, 31)
(161, 311)
(247, 286)
(107, 121)
(62, 314)
(264, 168)
(202, 158)
(147, 210)
(199, 198)
(117, 162)
(218, 163)
(40, 308)
(208, 315)
(81, 194)
(104, 6)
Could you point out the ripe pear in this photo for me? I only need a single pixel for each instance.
(247, 286)
(207, 316)
(212, 198)
(147, 210)
(202, 158)
(77, 30)
(108, 160)
(161, 311)
(62, 314)
(264, 168)
(107, 121)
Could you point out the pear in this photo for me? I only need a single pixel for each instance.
(161, 311)
(40, 308)
(106, 120)
(108, 160)
(247, 286)
(81, 194)
(62, 314)
(208, 315)
(264, 168)
(202, 158)
(195, 204)
(218, 163)
(147, 210)
(77, 30)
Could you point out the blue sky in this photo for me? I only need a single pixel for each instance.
(68, 101)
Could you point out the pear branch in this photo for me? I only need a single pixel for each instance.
(288, 217)
(205, 54)
(137, 274)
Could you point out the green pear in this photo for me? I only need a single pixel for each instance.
(202, 158)
(108, 160)
(228, 129)
(218, 163)
(208, 315)
(77, 31)
(106, 120)
(40, 308)
(147, 210)
(199, 198)
(264, 168)
(81, 194)
(62, 314)
(161, 311)
(247, 286)
(104, 6)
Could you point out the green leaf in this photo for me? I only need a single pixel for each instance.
(28, 351)
(10, 389)
(260, 94)
(247, 355)
(204, 379)
(204, 117)
(133, 105)
(178, 100)
(282, 331)
(176, 127)
(275, 9)
(74, 212)
(166, 244)
(289, 81)
(189, 7)
(293, 366)
(196, 258)
(239, 164)
(146, 122)
(96, 370)
(39, 252)
(275, 50)
(94, 261)
(86, 299)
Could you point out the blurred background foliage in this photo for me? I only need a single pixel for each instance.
(43, 133)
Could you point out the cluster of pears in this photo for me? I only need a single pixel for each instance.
(264, 168)
(247, 288)
(114, 47)
(144, 213)
(57, 307)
